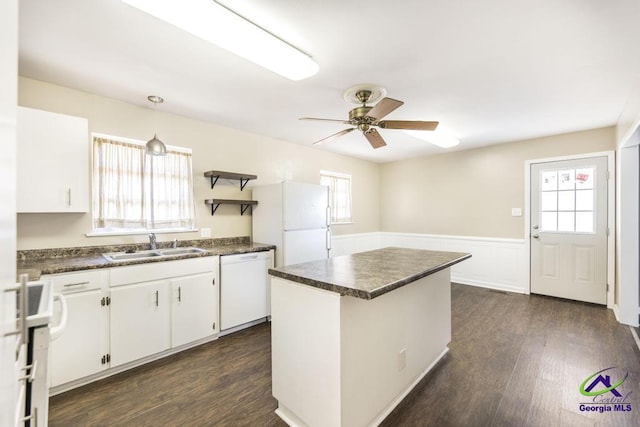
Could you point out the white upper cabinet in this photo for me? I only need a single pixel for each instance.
(53, 162)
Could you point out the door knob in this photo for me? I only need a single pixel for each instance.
(535, 227)
(535, 236)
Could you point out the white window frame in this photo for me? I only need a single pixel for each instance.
(336, 204)
(137, 230)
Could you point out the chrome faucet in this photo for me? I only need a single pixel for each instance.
(175, 243)
(152, 241)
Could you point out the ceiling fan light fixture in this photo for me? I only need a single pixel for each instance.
(440, 137)
(221, 26)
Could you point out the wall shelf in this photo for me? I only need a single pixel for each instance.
(242, 177)
(244, 204)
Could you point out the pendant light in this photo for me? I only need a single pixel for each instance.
(154, 146)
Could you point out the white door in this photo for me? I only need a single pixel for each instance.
(139, 320)
(305, 206)
(305, 245)
(194, 312)
(78, 352)
(569, 229)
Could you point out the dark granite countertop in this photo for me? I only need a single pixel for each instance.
(61, 260)
(369, 274)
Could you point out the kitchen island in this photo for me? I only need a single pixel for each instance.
(352, 335)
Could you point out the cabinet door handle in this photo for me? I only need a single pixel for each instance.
(69, 197)
(70, 285)
(249, 257)
(179, 294)
(156, 298)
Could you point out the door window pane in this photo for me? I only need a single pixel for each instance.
(549, 201)
(584, 178)
(566, 179)
(566, 200)
(584, 222)
(565, 221)
(584, 200)
(549, 221)
(549, 180)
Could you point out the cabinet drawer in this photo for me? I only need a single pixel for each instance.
(77, 282)
(161, 270)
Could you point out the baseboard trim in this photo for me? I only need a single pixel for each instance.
(486, 285)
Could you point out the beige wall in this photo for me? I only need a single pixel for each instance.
(471, 193)
(466, 193)
(214, 147)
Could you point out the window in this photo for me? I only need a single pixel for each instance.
(567, 200)
(133, 191)
(339, 195)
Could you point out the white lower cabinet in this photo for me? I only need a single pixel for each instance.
(140, 316)
(158, 306)
(123, 314)
(81, 350)
(194, 308)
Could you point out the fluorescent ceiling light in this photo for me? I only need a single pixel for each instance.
(219, 25)
(440, 137)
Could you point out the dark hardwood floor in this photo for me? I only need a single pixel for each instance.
(514, 360)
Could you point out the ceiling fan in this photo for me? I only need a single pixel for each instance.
(367, 118)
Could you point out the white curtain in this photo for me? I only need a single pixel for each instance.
(132, 190)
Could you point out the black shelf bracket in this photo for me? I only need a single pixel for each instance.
(244, 204)
(243, 183)
(243, 208)
(214, 180)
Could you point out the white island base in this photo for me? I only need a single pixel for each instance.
(346, 361)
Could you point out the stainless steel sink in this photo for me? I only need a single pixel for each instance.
(180, 251)
(123, 256)
(155, 253)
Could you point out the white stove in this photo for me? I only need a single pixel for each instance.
(39, 309)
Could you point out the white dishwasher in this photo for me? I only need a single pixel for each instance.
(244, 288)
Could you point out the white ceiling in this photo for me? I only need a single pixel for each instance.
(490, 71)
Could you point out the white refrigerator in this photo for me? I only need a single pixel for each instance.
(295, 217)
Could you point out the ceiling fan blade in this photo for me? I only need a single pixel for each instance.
(335, 135)
(374, 138)
(346, 122)
(384, 107)
(407, 124)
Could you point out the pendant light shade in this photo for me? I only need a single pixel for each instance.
(154, 146)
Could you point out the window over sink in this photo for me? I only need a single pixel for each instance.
(135, 192)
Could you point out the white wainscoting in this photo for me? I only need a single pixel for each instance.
(495, 263)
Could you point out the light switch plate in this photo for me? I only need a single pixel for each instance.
(516, 211)
(205, 232)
